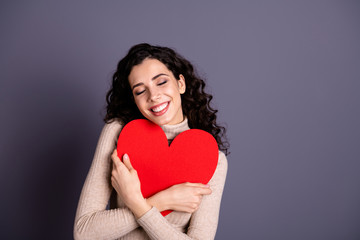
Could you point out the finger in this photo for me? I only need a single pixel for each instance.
(204, 191)
(116, 160)
(115, 157)
(201, 191)
(127, 162)
(118, 164)
(199, 185)
(114, 152)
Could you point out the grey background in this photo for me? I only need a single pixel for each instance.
(284, 74)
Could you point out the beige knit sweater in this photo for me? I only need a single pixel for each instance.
(94, 220)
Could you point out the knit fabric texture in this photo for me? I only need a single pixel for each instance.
(101, 214)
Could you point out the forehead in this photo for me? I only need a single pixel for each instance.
(146, 70)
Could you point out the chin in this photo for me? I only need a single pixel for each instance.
(166, 119)
(160, 122)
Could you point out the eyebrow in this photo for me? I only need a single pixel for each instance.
(152, 79)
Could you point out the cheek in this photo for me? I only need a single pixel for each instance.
(140, 104)
(173, 91)
(176, 94)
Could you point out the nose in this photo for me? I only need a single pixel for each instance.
(154, 95)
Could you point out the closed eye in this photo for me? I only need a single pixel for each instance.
(162, 83)
(138, 93)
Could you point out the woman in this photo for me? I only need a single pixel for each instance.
(158, 84)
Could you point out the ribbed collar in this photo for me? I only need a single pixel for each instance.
(172, 131)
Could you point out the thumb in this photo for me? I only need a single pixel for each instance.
(127, 162)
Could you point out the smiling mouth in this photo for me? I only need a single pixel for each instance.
(160, 109)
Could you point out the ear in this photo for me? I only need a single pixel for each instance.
(181, 84)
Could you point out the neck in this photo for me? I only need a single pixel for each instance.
(172, 131)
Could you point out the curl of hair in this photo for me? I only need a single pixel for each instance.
(195, 101)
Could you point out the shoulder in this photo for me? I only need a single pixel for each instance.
(114, 125)
(221, 168)
(111, 130)
(222, 161)
(218, 179)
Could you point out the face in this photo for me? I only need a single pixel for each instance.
(157, 92)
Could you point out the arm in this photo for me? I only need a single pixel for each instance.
(92, 220)
(183, 197)
(204, 221)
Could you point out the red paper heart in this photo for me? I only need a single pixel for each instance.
(191, 157)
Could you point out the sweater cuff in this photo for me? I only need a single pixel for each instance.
(151, 218)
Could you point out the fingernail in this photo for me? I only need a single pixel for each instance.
(126, 156)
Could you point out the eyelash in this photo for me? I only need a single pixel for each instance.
(138, 93)
(162, 83)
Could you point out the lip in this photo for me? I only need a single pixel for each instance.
(162, 111)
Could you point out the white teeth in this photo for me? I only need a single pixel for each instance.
(160, 108)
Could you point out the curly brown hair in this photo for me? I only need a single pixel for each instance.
(195, 101)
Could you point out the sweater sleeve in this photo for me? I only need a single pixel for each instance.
(92, 220)
(204, 221)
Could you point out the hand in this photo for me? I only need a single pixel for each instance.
(125, 181)
(184, 197)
